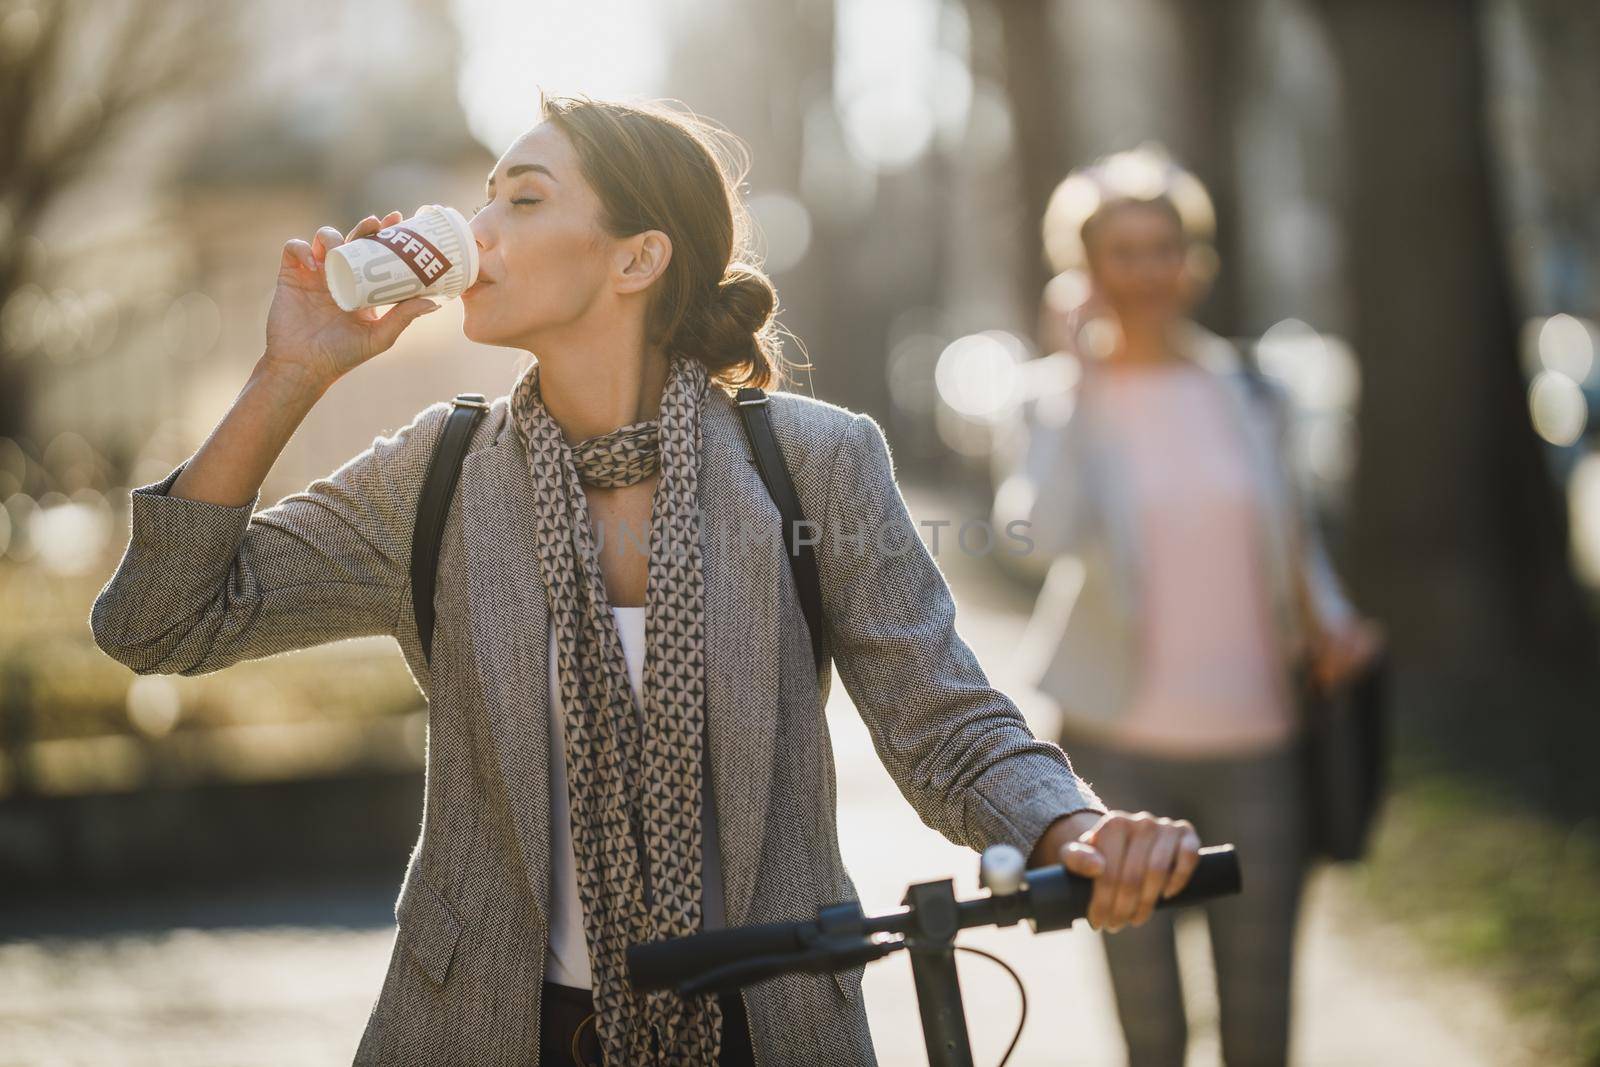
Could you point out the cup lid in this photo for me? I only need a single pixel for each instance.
(464, 232)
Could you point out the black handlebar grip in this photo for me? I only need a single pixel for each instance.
(663, 964)
(1215, 875)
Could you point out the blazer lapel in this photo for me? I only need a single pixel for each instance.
(510, 626)
(742, 564)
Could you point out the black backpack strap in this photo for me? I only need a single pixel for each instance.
(444, 468)
(757, 420)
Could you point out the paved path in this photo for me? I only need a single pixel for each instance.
(279, 991)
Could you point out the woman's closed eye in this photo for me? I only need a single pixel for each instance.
(523, 200)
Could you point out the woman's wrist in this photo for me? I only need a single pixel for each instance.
(1061, 833)
(294, 381)
(229, 467)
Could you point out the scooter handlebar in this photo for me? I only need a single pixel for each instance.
(1052, 899)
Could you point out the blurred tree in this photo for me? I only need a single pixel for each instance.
(1461, 540)
(1549, 95)
(74, 76)
(781, 103)
(1035, 89)
(1217, 41)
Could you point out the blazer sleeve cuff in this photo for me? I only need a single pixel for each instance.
(205, 535)
(1034, 790)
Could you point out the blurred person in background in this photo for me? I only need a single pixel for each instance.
(625, 732)
(1185, 583)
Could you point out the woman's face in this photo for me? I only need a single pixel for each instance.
(546, 264)
(1136, 258)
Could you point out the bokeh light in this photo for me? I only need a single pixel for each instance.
(1567, 347)
(510, 52)
(154, 704)
(1320, 370)
(977, 375)
(69, 536)
(1560, 410)
(1583, 494)
(901, 78)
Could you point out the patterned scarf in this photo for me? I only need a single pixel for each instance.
(633, 779)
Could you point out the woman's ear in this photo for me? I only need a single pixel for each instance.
(642, 259)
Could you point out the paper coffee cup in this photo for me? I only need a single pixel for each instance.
(432, 253)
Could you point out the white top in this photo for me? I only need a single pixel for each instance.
(568, 961)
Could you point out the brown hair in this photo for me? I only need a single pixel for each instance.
(1144, 176)
(654, 168)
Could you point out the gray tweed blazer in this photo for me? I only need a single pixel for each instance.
(202, 586)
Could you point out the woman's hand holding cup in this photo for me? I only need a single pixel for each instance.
(308, 335)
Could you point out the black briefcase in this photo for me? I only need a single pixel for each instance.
(1346, 748)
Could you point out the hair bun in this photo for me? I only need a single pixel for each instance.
(746, 296)
(733, 333)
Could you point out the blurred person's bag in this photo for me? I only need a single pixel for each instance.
(444, 468)
(1345, 737)
(1346, 753)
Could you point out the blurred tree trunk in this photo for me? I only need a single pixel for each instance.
(1545, 59)
(74, 77)
(1460, 538)
(1035, 91)
(778, 101)
(1217, 65)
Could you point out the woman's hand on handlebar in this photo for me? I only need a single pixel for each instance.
(1135, 859)
(308, 334)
